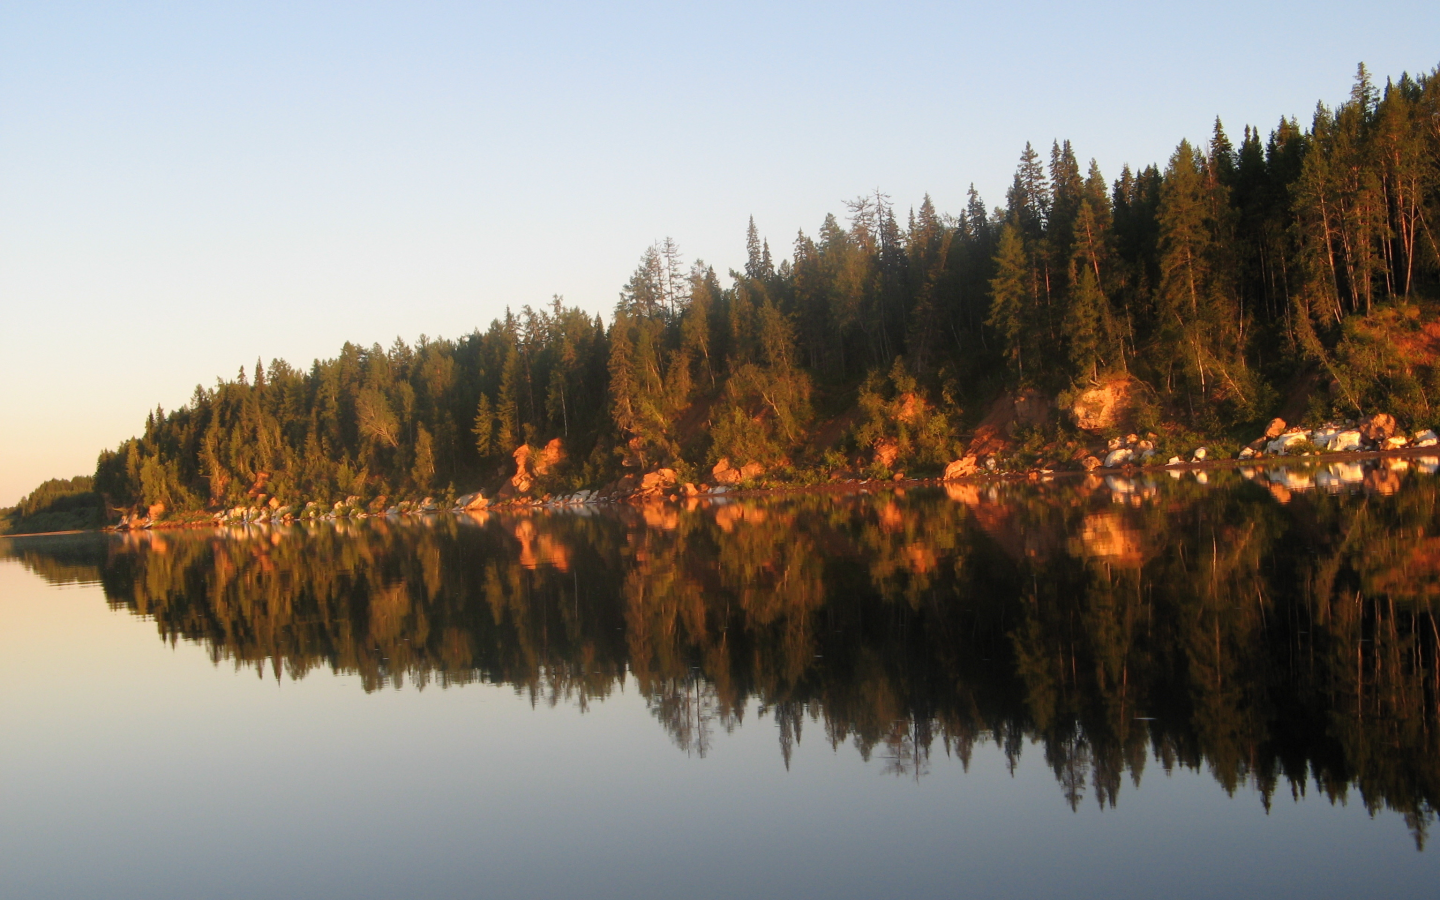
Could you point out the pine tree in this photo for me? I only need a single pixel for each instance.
(484, 427)
(1011, 296)
(507, 409)
(423, 472)
(1085, 322)
(1029, 196)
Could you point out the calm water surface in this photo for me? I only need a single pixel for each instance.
(1090, 689)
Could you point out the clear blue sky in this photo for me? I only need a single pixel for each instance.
(185, 187)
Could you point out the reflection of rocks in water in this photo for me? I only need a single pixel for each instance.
(1382, 480)
(891, 518)
(1337, 476)
(1131, 491)
(1106, 535)
(1292, 481)
(967, 494)
(728, 515)
(661, 515)
(538, 548)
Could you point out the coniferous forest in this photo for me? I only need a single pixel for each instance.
(1296, 269)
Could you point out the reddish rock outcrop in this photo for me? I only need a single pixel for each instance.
(1377, 428)
(961, 468)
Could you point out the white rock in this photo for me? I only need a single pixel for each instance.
(1174, 461)
(1200, 453)
(1344, 442)
(1246, 453)
(1284, 442)
(1118, 457)
(1426, 438)
(1295, 481)
(1119, 485)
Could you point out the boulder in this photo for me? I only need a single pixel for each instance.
(1119, 457)
(1274, 429)
(658, 481)
(1102, 408)
(961, 468)
(1199, 454)
(1341, 442)
(1377, 428)
(472, 502)
(1394, 442)
(1426, 438)
(523, 479)
(1283, 442)
(1246, 453)
(1174, 461)
(1090, 463)
(725, 473)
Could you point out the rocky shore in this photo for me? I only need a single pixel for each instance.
(1335, 451)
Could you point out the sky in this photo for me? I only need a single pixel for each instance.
(188, 187)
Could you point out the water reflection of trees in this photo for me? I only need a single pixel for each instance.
(1273, 645)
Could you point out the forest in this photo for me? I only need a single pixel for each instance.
(1297, 269)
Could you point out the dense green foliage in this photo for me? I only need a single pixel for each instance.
(1216, 282)
(56, 505)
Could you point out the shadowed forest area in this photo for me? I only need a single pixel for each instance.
(1284, 647)
(1295, 270)
(56, 505)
